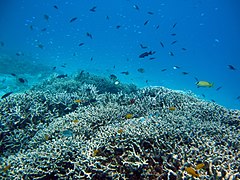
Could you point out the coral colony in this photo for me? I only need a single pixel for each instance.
(88, 127)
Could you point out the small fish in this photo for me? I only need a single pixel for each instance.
(163, 70)
(75, 121)
(204, 84)
(54, 68)
(129, 116)
(73, 19)
(185, 73)
(238, 98)
(43, 29)
(6, 95)
(171, 53)
(55, 7)
(21, 80)
(135, 7)
(63, 66)
(78, 101)
(152, 58)
(126, 73)
(6, 168)
(113, 77)
(146, 22)
(1, 43)
(141, 70)
(200, 166)
(31, 27)
(184, 49)
(157, 26)
(89, 35)
(213, 100)
(40, 46)
(46, 17)
(93, 9)
(192, 171)
(203, 95)
(172, 108)
(19, 53)
(231, 67)
(61, 76)
(13, 74)
(107, 17)
(146, 54)
(176, 67)
(143, 47)
(120, 131)
(173, 34)
(162, 44)
(196, 79)
(173, 42)
(174, 25)
(91, 58)
(118, 26)
(149, 12)
(220, 87)
(81, 44)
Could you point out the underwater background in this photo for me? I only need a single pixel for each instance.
(190, 40)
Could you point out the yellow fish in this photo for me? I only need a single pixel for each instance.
(192, 171)
(204, 84)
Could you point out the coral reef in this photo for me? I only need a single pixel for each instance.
(86, 128)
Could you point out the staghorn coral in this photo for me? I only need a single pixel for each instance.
(154, 143)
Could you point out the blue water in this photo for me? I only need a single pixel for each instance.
(208, 30)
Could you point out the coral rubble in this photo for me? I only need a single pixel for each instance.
(87, 127)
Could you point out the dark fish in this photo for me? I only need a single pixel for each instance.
(61, 76)
(81, 44)
(63, 66)
(238, 98)
(31, 27)
(126, 73)
(55, 7)
(174, 25)
(162, 44)
(89, 35)
(171, 53)
(218, 88)
(185, 73)
(173, 34)
(19, 54)
(46, 17)
(149, 12)
(163, 70)
(152, 58)
(113, 77)
(107, 17)
(203, 95)
(93, 9)
(73, 19)
(173, 42)
(13, 74)
(157, 26)
(40, 46)
(184, 49)
(232, 67)
(141, 70)
(143, 47)
(6, 95)
(1, 43)
(21, 80)
(43, 29)
(213, 100)
(91, 58)
(118, 26)
(146, 54)
(145, 23)
(54, 68)
(196, 79)
(135, 7)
